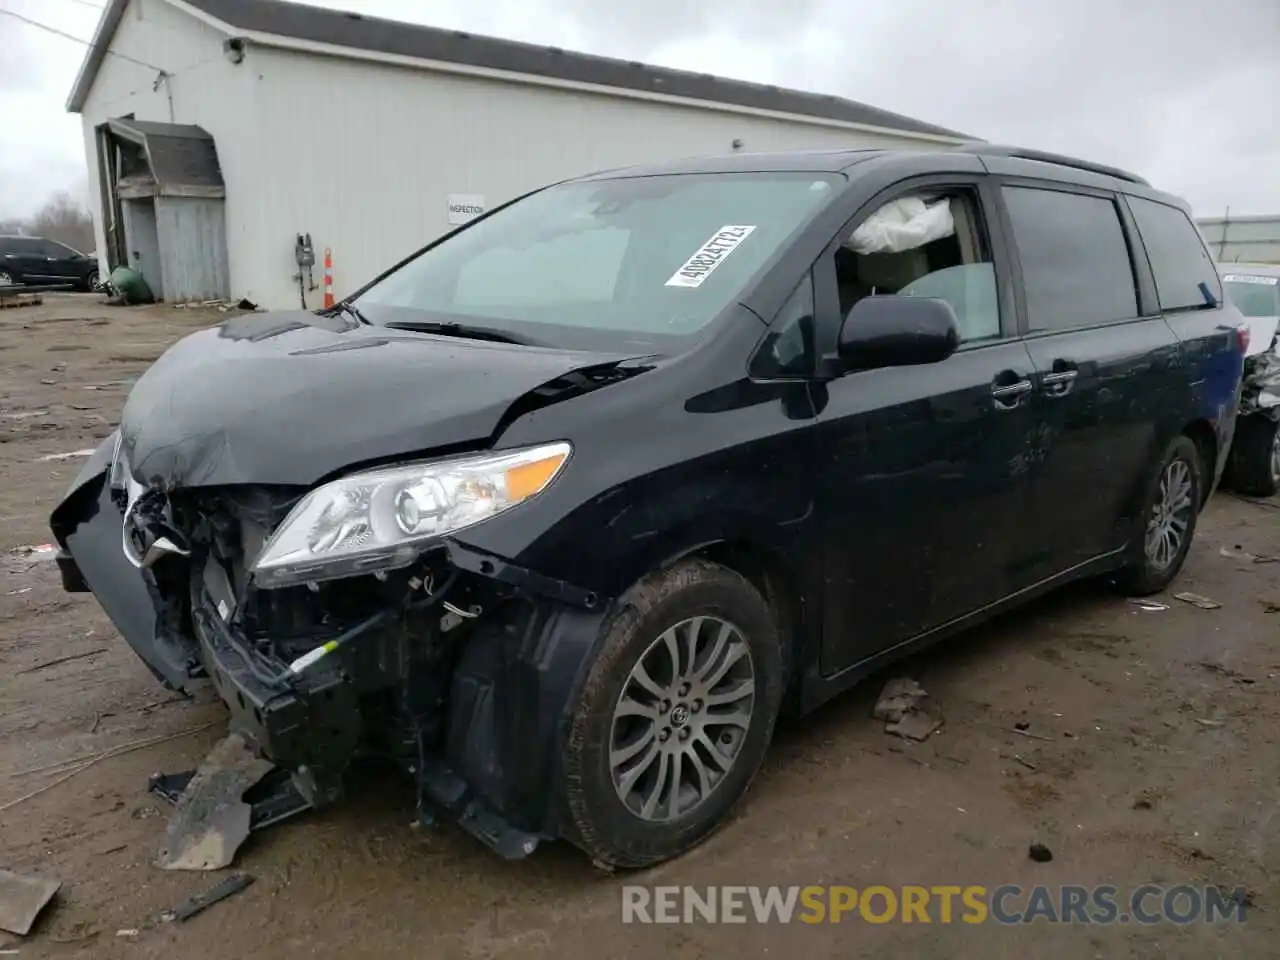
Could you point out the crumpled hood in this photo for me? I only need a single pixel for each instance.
(287, 398)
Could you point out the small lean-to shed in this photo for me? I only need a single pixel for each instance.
(165, 189)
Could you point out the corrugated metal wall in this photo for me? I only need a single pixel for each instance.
(144, 242)
(193, 249)
(364, 156)
(1243, 239)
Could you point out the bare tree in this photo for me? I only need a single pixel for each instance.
(62, 218)
(65, 219)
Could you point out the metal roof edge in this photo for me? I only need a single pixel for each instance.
(113, 13)
(294, 44)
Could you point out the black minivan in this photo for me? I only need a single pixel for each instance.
(560, 513)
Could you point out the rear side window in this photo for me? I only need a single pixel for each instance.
(1179, 260)
(1076, 269)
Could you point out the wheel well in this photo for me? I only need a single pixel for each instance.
(1202, 434)
(766, 572)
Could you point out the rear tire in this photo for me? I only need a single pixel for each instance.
(1172, 504)
(1255, 457)
(684, 690)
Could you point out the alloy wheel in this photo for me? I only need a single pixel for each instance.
(682, 718)
(1170, 514)
(6, 279)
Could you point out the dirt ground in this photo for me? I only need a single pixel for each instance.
(1151, 757)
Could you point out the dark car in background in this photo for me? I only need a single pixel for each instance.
(36, 261)
(560, 513)
(1254, 467)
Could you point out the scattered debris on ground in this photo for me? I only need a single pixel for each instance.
(20, 300)
(22, 899)
(1149, 605)
(1204, 603)
(1240, 553)
(203, 901)
(1040, 853)
(221, 306)
(32, 554)
(56, 661)
(1024, 732)
(72, 455)
(212, 819)
(78, 765)
(907, 710)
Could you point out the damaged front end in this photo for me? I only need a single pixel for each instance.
(346, 622)
(1260, 388)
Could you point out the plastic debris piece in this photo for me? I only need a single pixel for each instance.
(74, 454)
(1040, 853)
(211, 819)
(1204, 603)
(1150, 605)
(203, 901)
(907, 710)
(22, 899)
(23, 558)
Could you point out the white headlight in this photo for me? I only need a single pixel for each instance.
(380, 519)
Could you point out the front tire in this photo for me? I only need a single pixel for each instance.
(91, 281)
(1168, 525)
(8, 279)
(1255, 456)
(675, 716)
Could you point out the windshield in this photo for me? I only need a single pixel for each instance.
(1255, 296)
(633, 263)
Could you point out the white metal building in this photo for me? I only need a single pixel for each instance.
(365, 133)
(1253, 239)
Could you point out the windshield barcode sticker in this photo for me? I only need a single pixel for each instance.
(709, 256)
(1248, 278)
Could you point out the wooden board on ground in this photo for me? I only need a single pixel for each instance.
(20, 300)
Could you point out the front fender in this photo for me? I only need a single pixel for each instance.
(89, 528)
(608, 541)
(93, 472)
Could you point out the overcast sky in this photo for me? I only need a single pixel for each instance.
(1186, 92)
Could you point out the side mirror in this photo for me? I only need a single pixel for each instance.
(892, 331)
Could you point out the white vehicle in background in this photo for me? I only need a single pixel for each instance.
(1254, 466)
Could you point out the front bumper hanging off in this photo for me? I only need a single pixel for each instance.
(489, 758)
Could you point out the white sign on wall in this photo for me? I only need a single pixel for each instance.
(464, 206)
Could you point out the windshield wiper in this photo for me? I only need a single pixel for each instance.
(467, 331)
(352, 311)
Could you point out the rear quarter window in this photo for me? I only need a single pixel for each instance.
(1179, 261)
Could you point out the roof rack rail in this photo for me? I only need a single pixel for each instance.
(1024, 153)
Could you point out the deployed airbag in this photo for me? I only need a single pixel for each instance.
(903, 225)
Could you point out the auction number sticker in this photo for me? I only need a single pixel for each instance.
(1249, 278)
(710, 255)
